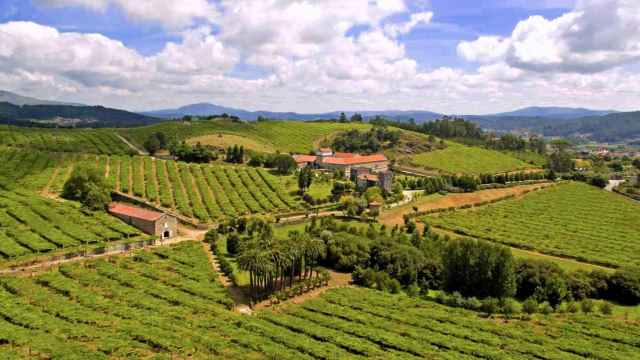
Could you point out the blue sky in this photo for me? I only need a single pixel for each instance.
(457, 56)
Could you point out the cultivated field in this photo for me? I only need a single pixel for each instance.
(204, 192)
(166, 303)
(462, 159)
(96, 141)
(572, 220)
(286, 136)
(32, 226)
(223, 141)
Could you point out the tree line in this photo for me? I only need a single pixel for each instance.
(371, 141)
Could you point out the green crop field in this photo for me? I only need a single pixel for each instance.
(572, 220)
(286, 136)
(31, 226)
(204, 192)
(462, 159)
(95, 141)
(166, 303)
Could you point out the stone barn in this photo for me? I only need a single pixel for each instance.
(150, 222)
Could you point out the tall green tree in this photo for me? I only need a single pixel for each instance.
(479, 269)
(305, 178)
(284, 164)
(88, 186)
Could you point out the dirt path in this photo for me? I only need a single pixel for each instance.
(130, 179)
(311, 215)
(107, 167)
(395, 216)
(337, 280)
(243, 305)
(154, 174)
(45, 191)
(116, 168)
(129, 144)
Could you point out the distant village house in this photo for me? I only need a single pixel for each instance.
(150, 222)
(364, 170)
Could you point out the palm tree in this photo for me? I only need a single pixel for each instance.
(313, 248)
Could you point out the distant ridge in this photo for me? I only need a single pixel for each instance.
(208, 109)
(26, 111)
(555, 112)
(15, 99)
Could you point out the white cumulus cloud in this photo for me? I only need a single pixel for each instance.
(405, 28)
(598, 35)
(172, 14)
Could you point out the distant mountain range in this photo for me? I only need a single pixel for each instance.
(21, 110)
(599, 125)
(15, 99)
(207, 109)
(554, 112)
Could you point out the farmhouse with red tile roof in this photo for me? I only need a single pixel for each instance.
(352, 165)
(150, 222)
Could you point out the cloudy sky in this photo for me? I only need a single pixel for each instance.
(451, 56)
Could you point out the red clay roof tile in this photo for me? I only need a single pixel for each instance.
(134, 212)
(355, 160)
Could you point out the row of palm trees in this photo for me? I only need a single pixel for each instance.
(274, 264)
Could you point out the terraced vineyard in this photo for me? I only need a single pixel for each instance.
(204, 192)
(286, 136)
(95, 141)
(571, 220)
(462, 159)
(32, 226)
(166, 303)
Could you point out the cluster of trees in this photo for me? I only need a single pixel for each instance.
(595, 180)
(434, 184)
(197, 153)
(284, 164)
(449, 127)
(402, 258)
(366, 141)
(305, 178)
(155, 142)
(486, 179)
(516, 143)
(561, 159)
(544, 281)
(235, 154)
(88, 186)
(273, 263)
(354, 118)
(478, 269)
(474, 269)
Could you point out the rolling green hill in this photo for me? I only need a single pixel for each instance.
(96, 141)
(285, 136)
(76, 115)
(571, 220)
(208, 193)
(462, 159)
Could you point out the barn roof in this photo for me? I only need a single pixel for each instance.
(304, 158)
(354, 160)
(134, 212)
